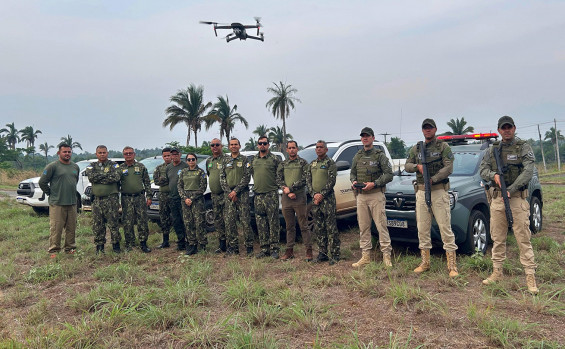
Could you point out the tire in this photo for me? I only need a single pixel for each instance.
(478, 233)
(42, 211)
(310, 219)
(536, 217)
(208, 215)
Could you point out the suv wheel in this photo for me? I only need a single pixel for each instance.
(536, 217)
(478, 233)
(208, 215)
(310, 219)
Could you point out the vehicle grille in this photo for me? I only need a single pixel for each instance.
(25, 189)
(401, 202)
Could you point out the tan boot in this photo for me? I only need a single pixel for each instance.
(452, 264)
(386, 260)
(425, 265)
(531, 283)
(365, 259)
(494, 277)
(288, 254)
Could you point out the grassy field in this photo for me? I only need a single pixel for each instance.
(166, 300)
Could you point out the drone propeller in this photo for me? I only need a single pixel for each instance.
(259, 25)
(204, 22)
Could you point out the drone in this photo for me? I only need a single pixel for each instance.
(239, 31)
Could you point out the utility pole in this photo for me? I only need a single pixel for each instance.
(385, 134)
(557, 146)
(542, 154)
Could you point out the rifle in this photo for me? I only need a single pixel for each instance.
(426, 174)
(503, 190)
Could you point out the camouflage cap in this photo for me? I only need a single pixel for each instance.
(367, 130)
(505, 120)
(430, 122)
(174, 150)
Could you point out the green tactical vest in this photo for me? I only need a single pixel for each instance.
(264, 173)
(234, 171)
(191, 178)
(102, 190)
(131, 181)
(292, 172)
(368, 165)
(320, 174)
(214, 166)
(163, 174)
(511, 156)
(433, 159)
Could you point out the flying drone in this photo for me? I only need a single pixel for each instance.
(239, 31)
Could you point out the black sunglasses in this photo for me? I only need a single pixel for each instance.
(190, 159)
(262, 143)
(215, 144)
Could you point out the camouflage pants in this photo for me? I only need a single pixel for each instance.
(176, 216)
(105, 211)
(267, 217)
(325, 227)
(165, 213)
(134, 212)
(234, 209)
(193, 217)
(218, 204)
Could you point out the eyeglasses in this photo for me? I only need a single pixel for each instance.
(215, 144)
(262, 143)
(190, 159)
(320, 147)
(129, 153)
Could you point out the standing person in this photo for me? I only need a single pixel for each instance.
(264, 171)
(213, 169)
(59, 181)
(518, 165)
(371, 168)
(234, 179)
(172, 171)
(136, 196)
(160, 179)
(439, 160)
(191, 186)
(291, 178)
(105, 176)
(321, 179)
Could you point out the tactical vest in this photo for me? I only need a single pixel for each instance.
(368, 165)
(511, 156)
(264, 173)
(214, 166)
(234, 170)
(292, 172)
(320, 174)
(131, 181)
(433, 159)
(163, 173)
(102, 190)
(191, 178)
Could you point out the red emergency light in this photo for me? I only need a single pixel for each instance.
(476, 136)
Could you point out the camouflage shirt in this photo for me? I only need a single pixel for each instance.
(326, 169)
(160, 178)
(235, 174)
(438, 157)
(135, 179)
(104, 177)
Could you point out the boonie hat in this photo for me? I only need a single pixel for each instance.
(430, 122)
(368, 131)
(505, 120)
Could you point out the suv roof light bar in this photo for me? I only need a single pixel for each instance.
(475, 136)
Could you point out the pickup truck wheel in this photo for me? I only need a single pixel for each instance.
(208, 215)
(536, 217)
(310, 219)
(41, 210)
(478, 233)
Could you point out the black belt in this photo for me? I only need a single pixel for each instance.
(132, 195)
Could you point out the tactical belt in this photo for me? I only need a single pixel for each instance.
(104, 197)
(132, 195)
(376, 189)
(520, 193)
(443, 186)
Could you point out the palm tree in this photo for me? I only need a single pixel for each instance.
(189, 109)
(282, 102)
(69, 140)
(29, 135)
(261, 130)
(551, 136)
(12, 137)
(458, 127)
(277, 139)
(251, 144)
(45, 149)
(226, 116)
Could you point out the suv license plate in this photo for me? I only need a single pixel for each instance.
(397, 223)
(154, 207)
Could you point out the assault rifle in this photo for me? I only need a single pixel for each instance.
(503, 190)
(426, 174)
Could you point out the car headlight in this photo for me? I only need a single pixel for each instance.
(453, 195)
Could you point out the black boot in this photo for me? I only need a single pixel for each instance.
(116, 248)
(275, 254)
(99, 249)
(181, 246)
(322, 257)
(143, 247)
(222, 247)
(165, 242)
(201, 247)
(128, 246)
(232, 251)
(249, 251)
(192, 249)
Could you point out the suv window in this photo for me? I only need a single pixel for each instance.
(348, 153)
(465, 163)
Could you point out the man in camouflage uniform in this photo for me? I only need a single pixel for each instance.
(160, 179)
(518, 165)
(264, 171)
(321, 179)
(370, 172)
(213, 169)
(136, 196)
(172, 173)
(104, 175)
(234, 179)
(439, 160)
(291, 178)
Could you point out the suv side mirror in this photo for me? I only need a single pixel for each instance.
(342, 165)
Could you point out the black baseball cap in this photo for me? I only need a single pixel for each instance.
(430, 122)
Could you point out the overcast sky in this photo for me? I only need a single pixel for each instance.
(103, 71)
